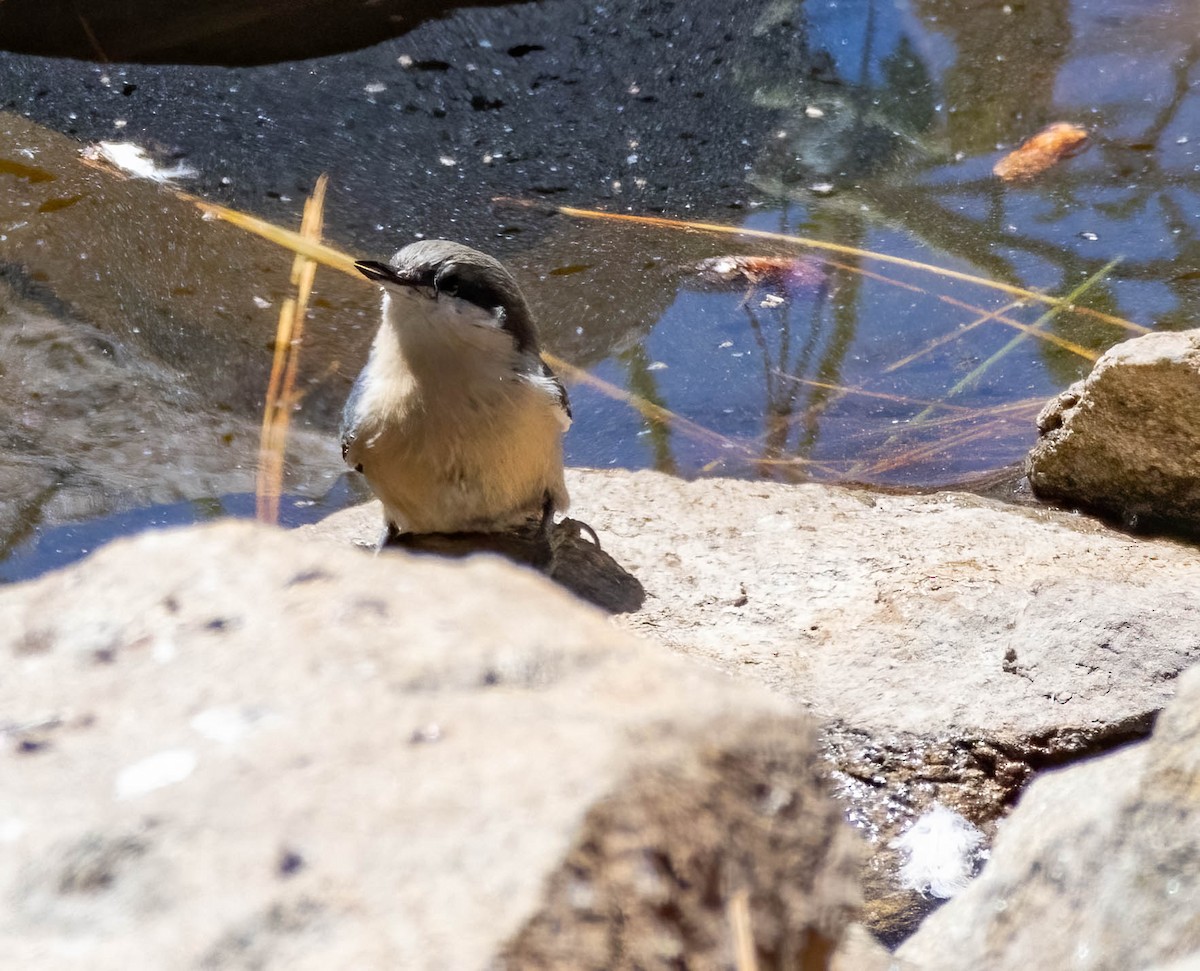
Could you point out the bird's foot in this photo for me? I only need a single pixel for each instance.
(393, 537)
(543, 551)
(576, 528)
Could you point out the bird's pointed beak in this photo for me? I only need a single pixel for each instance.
(379, 272)
(388, 276)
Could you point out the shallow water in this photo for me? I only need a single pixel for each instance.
(815, 385)
(55, 546)
(881, 138)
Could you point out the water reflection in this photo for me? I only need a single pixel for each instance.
(889, 147)
(835, 371)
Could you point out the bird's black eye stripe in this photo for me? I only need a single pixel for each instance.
(465, 284)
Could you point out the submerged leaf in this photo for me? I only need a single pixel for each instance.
(788, 273)
(1047, 148)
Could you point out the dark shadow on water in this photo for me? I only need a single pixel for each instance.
(225, 32)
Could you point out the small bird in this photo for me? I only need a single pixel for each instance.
(456, 421)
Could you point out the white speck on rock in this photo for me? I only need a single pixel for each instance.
(228, 725)
(155, 772)
(164, 650)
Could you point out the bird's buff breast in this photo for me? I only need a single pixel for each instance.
(472, 454)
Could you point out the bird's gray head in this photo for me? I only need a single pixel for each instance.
(444, 269)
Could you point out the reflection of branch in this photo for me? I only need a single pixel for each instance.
(948, 230)
(281, 396)
(761, 341)
(1183, 69)
(845, 326)
(778, 407)
(780, 404)
(920, 209)
(642, 384)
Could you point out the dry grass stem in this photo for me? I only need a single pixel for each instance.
(663, 222)
(1066, 303)
(298, 243)
(281, 390)
(953, 335)
(862, 392)
(654, 412)
(914, 455)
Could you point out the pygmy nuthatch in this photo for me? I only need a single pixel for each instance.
(456, 421)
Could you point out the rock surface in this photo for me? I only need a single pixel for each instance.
(898, 613)
(1097, 868)
(1125, 441)
(952, 644)
(230, 747)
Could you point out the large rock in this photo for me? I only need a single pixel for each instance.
(1125, 441)
(954, 645)
(945, 613)
(227, 747)
(1098, 867)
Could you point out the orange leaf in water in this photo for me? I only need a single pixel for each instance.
(1048, 147)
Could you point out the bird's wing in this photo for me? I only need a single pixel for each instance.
(555, 387)
(350, 416)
